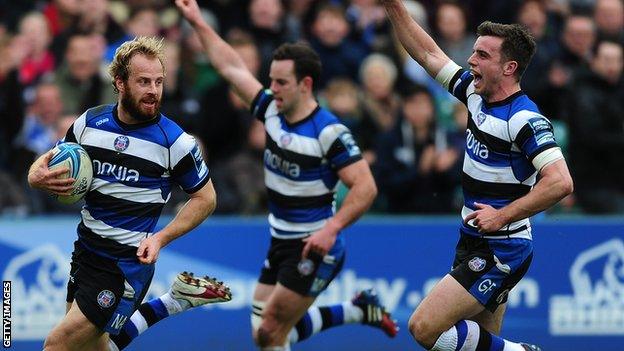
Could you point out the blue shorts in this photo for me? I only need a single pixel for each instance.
(107, 290)
(310, 277)
(489, 268)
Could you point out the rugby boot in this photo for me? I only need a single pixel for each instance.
(194, 291)
(375, 314)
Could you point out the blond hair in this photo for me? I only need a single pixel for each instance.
(148, 46)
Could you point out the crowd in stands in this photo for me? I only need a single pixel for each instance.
(412, 132)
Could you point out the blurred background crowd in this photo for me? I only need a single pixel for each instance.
(54, 53)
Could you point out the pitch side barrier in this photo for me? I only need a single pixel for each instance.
(572, 298)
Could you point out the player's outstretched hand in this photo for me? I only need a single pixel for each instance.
(41, 177)
(148, 250)
(190, 10)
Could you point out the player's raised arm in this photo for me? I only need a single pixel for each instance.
(224, 59)
(416, 41)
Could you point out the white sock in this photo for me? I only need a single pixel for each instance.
(352, 313)
(174, 306)
(471, 332)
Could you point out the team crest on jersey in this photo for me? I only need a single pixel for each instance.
(477, 264)
(481, 118)
(121, 143)
(106, 298)
(305, 267)
(286, 139)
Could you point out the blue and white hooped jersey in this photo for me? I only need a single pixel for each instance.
(502, 139)
(134, 168)
(301, 162)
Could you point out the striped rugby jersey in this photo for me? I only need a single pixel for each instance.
(301, 162)
(502, 139)
(134, 168)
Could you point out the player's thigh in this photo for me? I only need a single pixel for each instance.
(284, 308)
(491, 321)
(447, 303)
(75, 332)
(262, 292)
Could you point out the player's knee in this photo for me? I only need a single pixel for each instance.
(266, 336)
(270, 331)
(422, 331)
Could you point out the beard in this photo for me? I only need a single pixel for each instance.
(133, 106)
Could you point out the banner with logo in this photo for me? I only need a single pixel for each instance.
(572, 298)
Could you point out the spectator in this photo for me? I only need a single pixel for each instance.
(267, 23)
(577, 39)
(533, 15)
(597, 132)
(239, 180)
(80, 78)
(452, 36)
(198, 76)
(381, 104)
(609, 19)
(38, 61)
(342, 97)
(340, 56)
(143, 21)
(225, 132)
(60, 14)
(408, 171)
(38, 134)
(368, 20)
(11, 102)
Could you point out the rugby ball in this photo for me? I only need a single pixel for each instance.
(74, 157)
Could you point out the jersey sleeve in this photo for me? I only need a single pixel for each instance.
(261, 103)
(188, 168)
(532, 133)
(74, 133)
(339, 146)
(461, 85)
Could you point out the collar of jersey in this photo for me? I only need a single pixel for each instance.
(127, 126)
(505, 101)
(318, 107)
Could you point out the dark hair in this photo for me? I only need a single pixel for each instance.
(415, 89)
(307, 61)
(518, 44)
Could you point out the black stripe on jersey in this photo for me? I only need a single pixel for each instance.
(184, 165)
(142, 165)
(524, 134)
(98, 110)
(123, 207)
(338, 147)
(496, 190)
(94, 242)
(304, 161)
(493, 143)
(70, 137)
(454, 80)
(289, 202)
(258, 111)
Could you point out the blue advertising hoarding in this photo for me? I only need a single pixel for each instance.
(572, 298)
